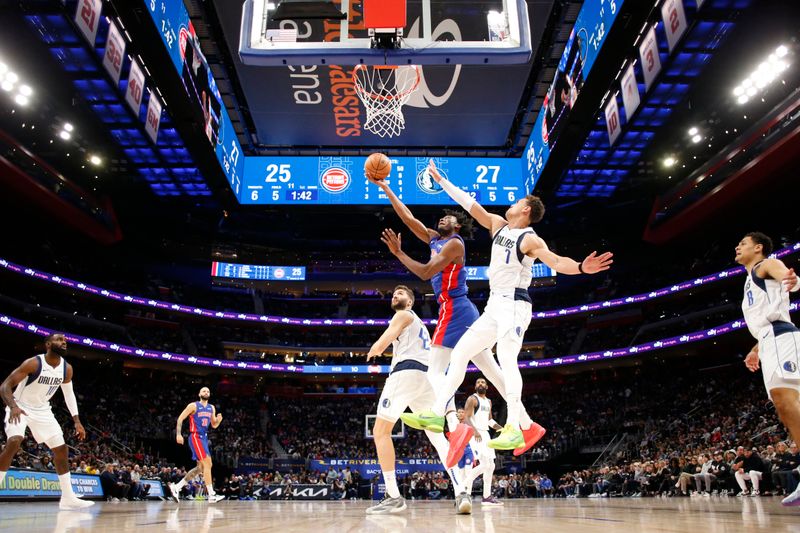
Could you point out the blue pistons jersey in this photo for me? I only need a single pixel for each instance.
(200, 421)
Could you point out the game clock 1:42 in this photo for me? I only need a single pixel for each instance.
(339, 180)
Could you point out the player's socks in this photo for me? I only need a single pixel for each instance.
(513, 406)
(66, 485)
(391, 484)
(2, 476)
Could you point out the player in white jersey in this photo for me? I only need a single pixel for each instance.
(478, 415)
(515, 246)
(766, 312)
(406, 386)
(33, 383)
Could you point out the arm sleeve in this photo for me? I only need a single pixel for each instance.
(69, 398)
(462, 198)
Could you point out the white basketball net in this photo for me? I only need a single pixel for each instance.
(384, 90)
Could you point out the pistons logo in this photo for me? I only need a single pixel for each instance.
(335, 180)
(279, 273)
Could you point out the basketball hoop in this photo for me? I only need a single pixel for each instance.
(384, 89)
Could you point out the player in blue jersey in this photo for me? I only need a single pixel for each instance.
(447, 272)
(202, 415)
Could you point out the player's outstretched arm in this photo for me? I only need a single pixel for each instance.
(419, 229)
(399, 322)
(486, 219)
(534, 246)
(72, 404)
(28, 367)
(190, 409)
(450, 252)
(775, 269)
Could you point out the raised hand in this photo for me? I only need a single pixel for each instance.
(597, 263)
(434, 172)
(392, 241)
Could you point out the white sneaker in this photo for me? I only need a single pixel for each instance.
(214, 498)
(71, 503)
(755, 493)
(174, 491)
(464, 503)
(792, 499)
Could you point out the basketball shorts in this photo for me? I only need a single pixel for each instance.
(455, 316)
(468, 458)
(482, 450)
(405, 388)
(505, 316)
(779, 353)
(199, 446)
(42, 422)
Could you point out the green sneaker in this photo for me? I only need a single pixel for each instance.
(424, 420)
(510, 438)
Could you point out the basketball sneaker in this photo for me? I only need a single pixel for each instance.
(459, 439)
(175, 492)
(491, 501)
(510, 438)
(532, 435)
(71, 502)
(424, 420)
(388, 505)
(214, 498)
(464, 503)
(792, 499)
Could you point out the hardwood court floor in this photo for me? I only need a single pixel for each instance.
(544, 515)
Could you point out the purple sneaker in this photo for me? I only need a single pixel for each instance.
(491, 501)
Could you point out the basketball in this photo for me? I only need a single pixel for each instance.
(378, 166)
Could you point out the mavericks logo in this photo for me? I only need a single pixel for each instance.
(426, 183)
(789, 366)
(335, 180)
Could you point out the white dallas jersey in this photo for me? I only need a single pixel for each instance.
(509, 268)
(765, 301)
(36, 390)
(483, 413)
(413, 343)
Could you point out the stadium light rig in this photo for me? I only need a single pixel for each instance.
(764, 74)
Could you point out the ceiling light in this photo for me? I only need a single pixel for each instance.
(781, 51)
(692, 131)
(669, 161)
(68, 126)
(6, 85)
(738, 91)
(697, 139)
(95, 160)
(21, 99)
(751, 91)
(11, 77)
(3, 68)
(65, 135)
(25, 90)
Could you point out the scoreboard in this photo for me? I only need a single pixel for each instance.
(479, 273)
(340, 180)
(258, 272)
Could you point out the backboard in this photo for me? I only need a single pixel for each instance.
(437, 32)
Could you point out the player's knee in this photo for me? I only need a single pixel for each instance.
(785, 400)
(57, 444)
(14, 443)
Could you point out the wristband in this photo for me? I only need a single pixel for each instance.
(580, 268)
